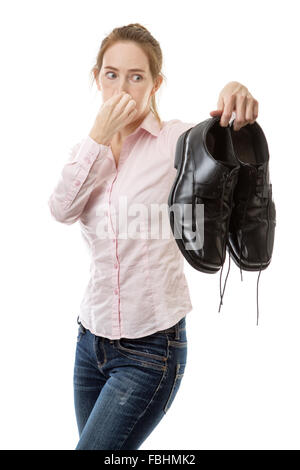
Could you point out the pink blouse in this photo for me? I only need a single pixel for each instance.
(137, 284)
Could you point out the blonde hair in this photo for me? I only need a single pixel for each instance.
(139, 34)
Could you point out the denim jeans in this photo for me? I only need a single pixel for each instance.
(124, 387)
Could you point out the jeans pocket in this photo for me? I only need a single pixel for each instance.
(180, 367)
(152, 349)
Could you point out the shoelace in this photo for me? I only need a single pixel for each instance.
(222, 293)
(227, 177)
(241, 247)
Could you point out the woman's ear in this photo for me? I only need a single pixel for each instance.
(157, 84)
(96, 76)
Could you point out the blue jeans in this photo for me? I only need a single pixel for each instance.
(124, 387)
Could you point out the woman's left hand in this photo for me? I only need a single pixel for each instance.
(236, 97)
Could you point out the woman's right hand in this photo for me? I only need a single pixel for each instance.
(116, 112)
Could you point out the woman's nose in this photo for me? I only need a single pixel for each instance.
(119, 90)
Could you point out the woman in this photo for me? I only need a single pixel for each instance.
(132, 345)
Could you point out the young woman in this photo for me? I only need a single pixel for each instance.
(131, 346)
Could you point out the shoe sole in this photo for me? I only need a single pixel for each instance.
(246, 267)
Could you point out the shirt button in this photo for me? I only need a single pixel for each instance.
(116, 291)
(77, 182)
(87, 159)
(116, 266)
(108, 190)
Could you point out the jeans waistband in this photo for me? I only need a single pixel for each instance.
(179, 325)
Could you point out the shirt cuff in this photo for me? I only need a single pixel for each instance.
(89, 150)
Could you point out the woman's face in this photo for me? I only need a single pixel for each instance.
(115, 75)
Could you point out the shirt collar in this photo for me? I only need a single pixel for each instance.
(151, 124)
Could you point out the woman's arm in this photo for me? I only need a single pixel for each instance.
(78, 179)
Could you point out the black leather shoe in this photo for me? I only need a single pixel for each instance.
(207, 172)
(253, 218)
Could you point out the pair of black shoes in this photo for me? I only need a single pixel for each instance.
(221, 197)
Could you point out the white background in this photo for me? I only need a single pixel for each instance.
(241, 387)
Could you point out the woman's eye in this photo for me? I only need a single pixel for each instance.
(135, 75)
(110, 72)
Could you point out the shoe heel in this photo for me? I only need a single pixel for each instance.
(177, 159)
(179, 149)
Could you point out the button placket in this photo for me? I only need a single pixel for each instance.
(115, 275)
(115, 271)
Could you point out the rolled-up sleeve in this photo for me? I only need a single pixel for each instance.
(78, 178)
